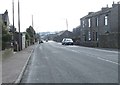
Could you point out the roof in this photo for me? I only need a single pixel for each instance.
(5, 16)
(62, 32)
(102, 11)
(78, 27)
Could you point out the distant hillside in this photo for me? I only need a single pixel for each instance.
(44, 34)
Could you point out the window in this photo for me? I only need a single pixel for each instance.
(96, 36)
(83, 23)
(97, 22)
(106, 20)
(93, 36)
(89, 22)
(89, 35)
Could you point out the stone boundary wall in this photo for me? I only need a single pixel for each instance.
(109, 40)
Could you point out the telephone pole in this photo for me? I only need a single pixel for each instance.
(32, 21)
(67, 23)
(13, 29)
(19, 25)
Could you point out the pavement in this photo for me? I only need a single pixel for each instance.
(0, 67)
(14, 65)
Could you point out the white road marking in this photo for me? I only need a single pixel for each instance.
(106, 50)
(107, 60)
(97, 57)
(93, 54)
(99, 49)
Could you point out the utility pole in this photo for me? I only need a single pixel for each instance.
(32, 21)
(67, 23)
(13, 29)
(19, 25)
(67, 27)
(33, 25)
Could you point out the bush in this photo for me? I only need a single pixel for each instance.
(6, 37)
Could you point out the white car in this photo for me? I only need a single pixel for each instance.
(67, 41)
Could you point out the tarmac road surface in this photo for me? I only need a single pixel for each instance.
(52, 62)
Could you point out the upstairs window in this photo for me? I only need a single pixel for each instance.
(83, 23)
(89, 22)
(106, 20)
(97, 22)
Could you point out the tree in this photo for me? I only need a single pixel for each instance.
(32, 34)
(38, 36)
(6, 37)
(27, 36)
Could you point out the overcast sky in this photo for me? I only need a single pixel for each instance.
(50, 15)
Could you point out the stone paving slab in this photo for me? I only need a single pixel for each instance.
(13, 65)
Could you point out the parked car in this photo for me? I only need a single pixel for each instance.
(40, 41)
(46, 40)
(67, 41)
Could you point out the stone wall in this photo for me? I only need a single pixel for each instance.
(108, 40)
(89, 43)
(7, 52)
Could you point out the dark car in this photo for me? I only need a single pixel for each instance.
(46, 40)
(40, 41)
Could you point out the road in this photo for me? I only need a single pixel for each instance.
(52, 62)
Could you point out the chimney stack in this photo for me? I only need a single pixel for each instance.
(113, 2)
(118, 2)
(107, 5)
